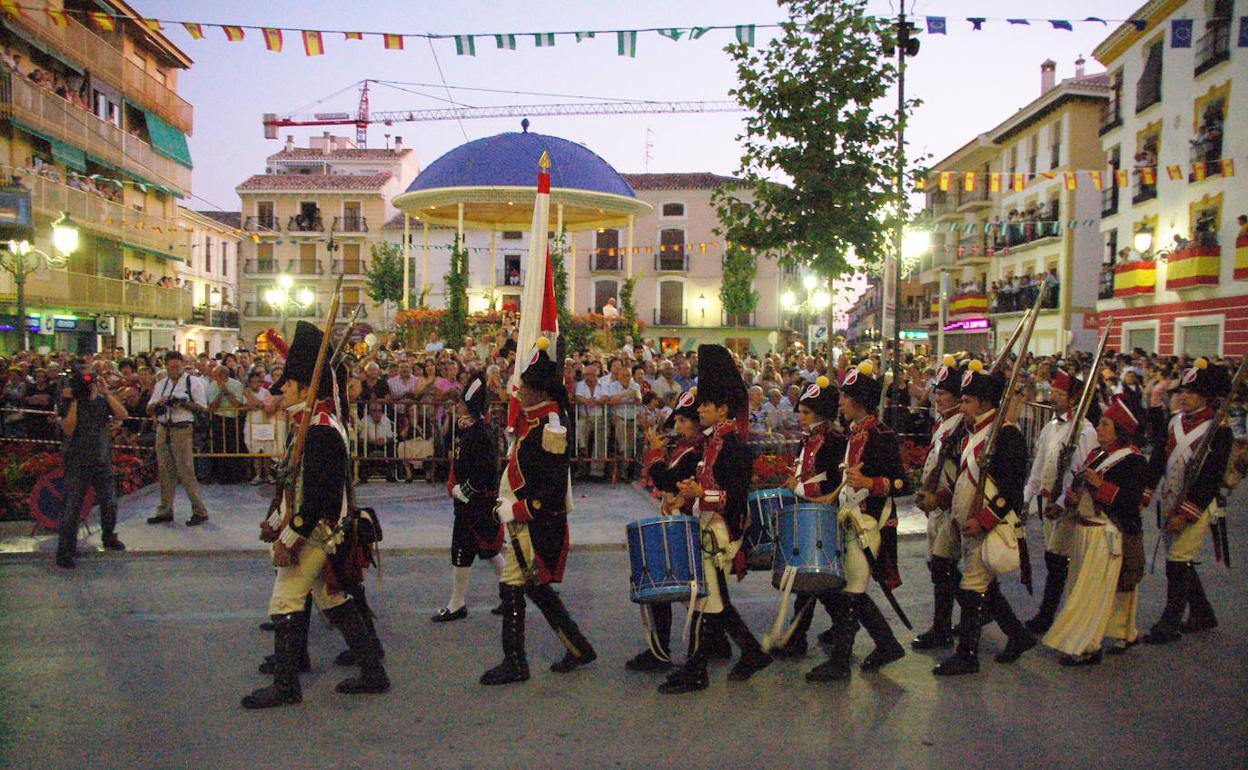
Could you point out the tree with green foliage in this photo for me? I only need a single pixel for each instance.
(630, 328)
(736, 287)
(454, 324)
(385, 273)
(558, 252)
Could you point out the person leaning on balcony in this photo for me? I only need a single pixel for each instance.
(174, 403)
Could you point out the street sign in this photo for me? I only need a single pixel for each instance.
(815, 334)
(914, 335)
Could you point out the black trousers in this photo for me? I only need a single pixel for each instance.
(78, 477)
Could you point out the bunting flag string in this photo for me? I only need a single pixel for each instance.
(1181, 31)
(998, 181)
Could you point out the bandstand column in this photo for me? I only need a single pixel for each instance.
(628, 266)
(407, 256)
(424, 281)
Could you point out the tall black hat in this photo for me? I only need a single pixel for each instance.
(949, 377)
(1205, 379)
(686, 406)
(541, 372)
(301, 360)
(985, 385)
(475, 395)
(862, 387)
(821, 397)
(719, 382)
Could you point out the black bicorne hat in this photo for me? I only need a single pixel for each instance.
(542, 373)
(984, 385)
(1205, 379)
(821, 397)
(686, 406)
(949, 377)
(475, 395)
(301, 361)
(862, 387)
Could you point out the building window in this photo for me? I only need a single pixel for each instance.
(1214, 45)
(672, 254)
(512, 235)
(673, 209)
(1033, 150)
(1199, 338)
(264, 258)
(1111, 113)
(603, 291)
(1109, 193)
(513, 274)
(1148, 87)
(350, 297)
(225, 258)
(351, 262)
(671, 310)
(1148, 142)
(1055, 146)
(607, 250)
(1142, 338)
(1207, 144)
(207, 255)
(264, 215)
(307, 263)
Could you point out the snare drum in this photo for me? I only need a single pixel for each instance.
(808, 538)
(764, 505)
(666, 557)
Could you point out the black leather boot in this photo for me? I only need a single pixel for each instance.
(966, 659)
(844, 628)
(661, 638)
(515, 666)
(579, 651)
(1202, 617)
(691, 677)
(945, 579)
(1021, 639)
(804, 614)
(346, 657)
(303, 620)
(1058, 567)
(753, 659)
(285, 688)
(1166, 629)
(887, 648)
(372, 679)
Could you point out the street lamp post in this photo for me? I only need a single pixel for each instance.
(815, 301)
(20, 259)
(283, 298)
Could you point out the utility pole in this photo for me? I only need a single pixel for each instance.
(907, 45)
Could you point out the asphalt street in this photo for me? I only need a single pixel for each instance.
(140, 660)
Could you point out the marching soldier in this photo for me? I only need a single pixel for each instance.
(1059, 527)
(312, 554)
(718, 491)
(979, 593)
(940, 471)
(1108, 559)
(1186, 517)
(473, 486)
(816, 474)
(534, 499)
(872, 463)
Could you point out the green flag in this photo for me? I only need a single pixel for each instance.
(698, 32)
(745, 34)
(544, 39)
(465, 45)
(583, 36)
(671, 34)
(505, 41)
(626, 43)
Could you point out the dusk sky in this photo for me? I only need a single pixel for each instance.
(969, 81)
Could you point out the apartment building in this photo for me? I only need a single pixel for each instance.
(315, 214)
(91, 125)
(211, 275)
(1175, 261)
(1013, 208)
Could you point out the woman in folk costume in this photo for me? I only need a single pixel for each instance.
(816, 473)
(667, 466)
(1186, 517)
(872, 463)
(534, 495)
(718, 492)
(1108, 556)
(473, 486)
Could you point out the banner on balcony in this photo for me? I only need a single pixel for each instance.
(1241, 258)
(1133, 278)
(1193, 266)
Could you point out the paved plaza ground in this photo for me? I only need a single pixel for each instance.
(139, 659)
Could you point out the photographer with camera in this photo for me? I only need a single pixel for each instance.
(88, 459)
(174, 403)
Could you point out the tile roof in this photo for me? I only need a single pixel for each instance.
(232, 219)
(698, 180)
(350, 153)
(326, 182)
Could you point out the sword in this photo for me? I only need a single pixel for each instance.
(877, 573)
(513, 531)
(1024, 563)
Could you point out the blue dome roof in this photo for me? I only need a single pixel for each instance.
(510, 160)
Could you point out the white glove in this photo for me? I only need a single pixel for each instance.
(457, 492)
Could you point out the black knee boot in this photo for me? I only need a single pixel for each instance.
(1202, 617)
(303, 620)
(372, 679)
(844, 629)
(1054, 586)
(579, 650)
(966, 659)
(515, 666)
(1021, 639)
(285, 688)
(1167, 628)
(691, 677)
(945, 579)
(753, 659)
(887, 648)
(346, 657)
(804, 612)
(660, 657)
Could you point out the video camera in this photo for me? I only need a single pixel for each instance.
(79, 382)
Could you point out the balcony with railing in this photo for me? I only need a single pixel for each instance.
(260, 267)
(1194, 265)
(350, 267)
(220, 319)
(943, 204)
(95, 54)
(82, 293)
(305, 267)
(263, 223)
(42, 110)
(301, 223)
(1111, 115)
(104, 217)
(1142, 191)
(1213, 47)
(666, 261)
(1128, 279)
(669, 316)
(975, 199)
(1206, 151)
(354, 224)
(1109, 195)
(509, 277)
(265, 310)
(605, 261)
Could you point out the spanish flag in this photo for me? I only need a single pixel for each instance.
(1097, 181)
(1071, 180)
(1049, 174)
(272, 39)
(945, 178)
(312, 43)
(968, 181)
(1123, 178)
(233, 34)
(12, 8)
(1198, 170)
(58, 17)
(153, 25)
(196, 31)
(1175, 172)
(103, 21)
(393, 42)
(1148, 174)
(352, 35)
(920, 183)
(1228, 167)
(994, 182)
(1019, 181)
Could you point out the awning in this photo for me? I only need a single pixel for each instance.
(167, 140)
(33, 131)
(68, 154)
(135, 177)
(153, 252)
(36, 44)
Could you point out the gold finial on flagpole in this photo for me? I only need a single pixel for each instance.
(544, 162)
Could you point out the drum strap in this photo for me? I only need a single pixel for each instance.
(778, 636)
(647, 621)
(689, 612)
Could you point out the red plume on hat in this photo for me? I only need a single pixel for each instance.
(277, 342)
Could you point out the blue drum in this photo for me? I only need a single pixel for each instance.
(764, 505)
(666, 556)
(808, 538)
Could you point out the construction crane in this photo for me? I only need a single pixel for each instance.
(363, 117)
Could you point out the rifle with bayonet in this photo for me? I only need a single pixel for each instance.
(1066, 455)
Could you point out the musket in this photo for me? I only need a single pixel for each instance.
(341, 351)
(1024, 321)
(1067, 453)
